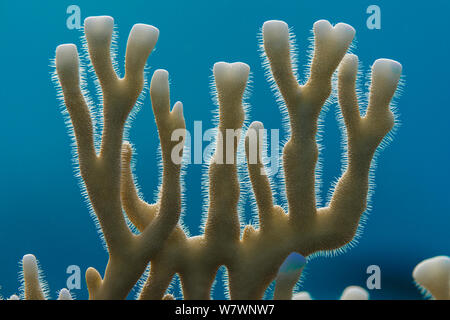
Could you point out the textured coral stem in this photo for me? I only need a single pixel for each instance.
(338, 222)
(304, 104)
(222, 226)
(32, 285)
(254, 260)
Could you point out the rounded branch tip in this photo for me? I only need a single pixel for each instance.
(349, 65)
(29, 264)
(93, 280)
(254, 143)
(350, 58)
(177, 110)
(92, 274)
(388, 70)
(144, 34)
(344, 32)
(433, 272)
(355, 293)
(159, 85)
(14, 297)
(160, 79)
(340, 33)
(302, 296)
(276, 34)
(99, 27)
(127, 151)
(236, 72)
(322, 28)
(256, 125)
(255, 128)
(66, 56)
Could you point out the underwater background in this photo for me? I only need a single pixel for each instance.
(41, 207)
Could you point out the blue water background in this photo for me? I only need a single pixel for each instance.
(42, 211)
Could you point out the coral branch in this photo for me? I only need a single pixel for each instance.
(222, 225)
(102, 173)
(252, 259)
(304, 104)
(355, 293)
(32, 283)
(197, 259)
(338, 223)
(258, 177)
(34, 286)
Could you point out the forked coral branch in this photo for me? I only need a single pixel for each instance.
(128, 253)
(33, 285)
(252, 259)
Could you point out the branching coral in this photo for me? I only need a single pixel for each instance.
(32, 282)
(253, 258)
(129, 254)
(433, 277)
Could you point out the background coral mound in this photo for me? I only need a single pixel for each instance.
(253, 257)
(433, 277)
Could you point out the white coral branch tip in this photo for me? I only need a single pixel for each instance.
(144, 35)
(355, 293)
(226, 73)
(349, 66)
(160, 82)
(67, 57)
(341, 33)
(141, 41)
(302, 296)
(99, 28)
(276, 34)
(30, 267)
(387, 70)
